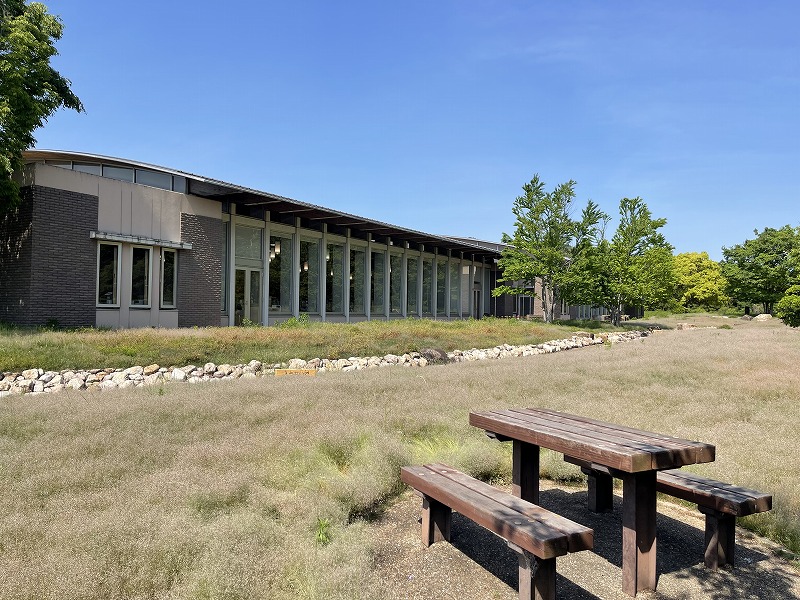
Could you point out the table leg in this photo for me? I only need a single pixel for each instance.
(525, 472)
(639, 532)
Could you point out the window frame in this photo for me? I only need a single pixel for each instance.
(174, 304)
(118, 274)
(148, 283)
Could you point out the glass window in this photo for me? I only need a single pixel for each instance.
(223, 252)
(91, 168)
(64, 164)
(441, 274)
(280, 274)
(178, 184)
(334, 278)
(154, 179)
(248, 242)
(309, 276)
(411, 287)
(108, 274)
(140, 277)
(358, 274)
(455, 288)
(427, 285)
(169, 278)
(377, 283)
(395, 284)
(121, 173)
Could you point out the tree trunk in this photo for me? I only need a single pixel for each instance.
(547, 303)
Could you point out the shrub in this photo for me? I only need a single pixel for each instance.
(787, 309)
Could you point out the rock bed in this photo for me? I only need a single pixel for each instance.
(38, 381)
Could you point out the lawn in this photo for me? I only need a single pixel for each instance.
(264, 488)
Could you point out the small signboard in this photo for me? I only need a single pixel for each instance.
(282, 372)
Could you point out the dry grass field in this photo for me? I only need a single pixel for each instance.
(264, 488)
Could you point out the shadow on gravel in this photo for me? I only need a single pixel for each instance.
(680, 553)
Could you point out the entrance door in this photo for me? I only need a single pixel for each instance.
(477, 299)
(247, 296)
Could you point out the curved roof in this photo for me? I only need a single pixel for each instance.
(222, 191)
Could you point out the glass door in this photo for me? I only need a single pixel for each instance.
(247, 296)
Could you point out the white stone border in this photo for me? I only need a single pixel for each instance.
(38, 381)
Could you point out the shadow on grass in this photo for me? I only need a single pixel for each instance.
(680, 553)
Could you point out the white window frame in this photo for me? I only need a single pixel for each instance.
(98, 304)
(149, 283)
(174, 304)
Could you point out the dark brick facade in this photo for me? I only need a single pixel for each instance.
(200, 272)
(50, 259)
(16, 231)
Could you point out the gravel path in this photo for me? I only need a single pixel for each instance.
(479, 566)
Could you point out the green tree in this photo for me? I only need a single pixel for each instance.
(699, 281)
(787, 309)
(547, 243)
(634, 268)
(760, 270)
(30, 89)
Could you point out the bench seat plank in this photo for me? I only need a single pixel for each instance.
(534, 533)
(578, 537)
(528, 533)
(720, 496)
(721, 503)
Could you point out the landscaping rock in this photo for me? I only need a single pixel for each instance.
(38, 381)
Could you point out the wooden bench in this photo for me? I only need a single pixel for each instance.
(534, 533)
(720, 502)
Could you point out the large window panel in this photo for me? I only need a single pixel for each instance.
(334, 278)
(358, 273)
(396, 284)
(441, 297)
(121, 173)
(377, 283)
(248, 242)
(169, 278)
(455, 288)
(154, 179)
(280, 274)
(223, 252)
(309, 276)
(411, 288)
(427, 285)
(140, 276)
(108, 274)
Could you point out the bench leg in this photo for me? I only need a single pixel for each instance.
(720, 538)
(537, 576)
(436, 518)
(601, 490)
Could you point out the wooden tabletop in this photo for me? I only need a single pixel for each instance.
(615, 446)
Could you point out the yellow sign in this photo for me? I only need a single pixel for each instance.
(282, 372)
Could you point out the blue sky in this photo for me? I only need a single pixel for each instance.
(432, 115)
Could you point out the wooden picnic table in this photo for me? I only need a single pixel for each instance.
(634, 454)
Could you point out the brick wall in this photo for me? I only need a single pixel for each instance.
(200, 272)
(64, 257)
(15, 259)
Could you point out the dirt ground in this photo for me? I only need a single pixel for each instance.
(479, 566)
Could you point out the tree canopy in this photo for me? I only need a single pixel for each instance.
(547, 242)
(759, 271)
(699, 281)
(633, 268)
(30, 88)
